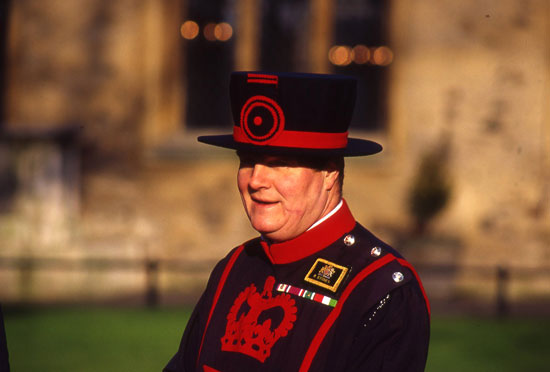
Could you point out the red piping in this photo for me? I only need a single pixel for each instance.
(223, 278)
(262, 81)
(329, 321)
(265, 76)
(410, 267)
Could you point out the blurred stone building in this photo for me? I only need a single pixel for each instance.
(102, 102)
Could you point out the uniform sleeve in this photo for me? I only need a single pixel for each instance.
(186, 357)
(394, 335)
(4, 362)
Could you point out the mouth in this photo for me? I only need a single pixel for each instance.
(263, 202)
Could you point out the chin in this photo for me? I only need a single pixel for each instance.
(266, 230)
(263, 229)
(279, 238)
(273, 237)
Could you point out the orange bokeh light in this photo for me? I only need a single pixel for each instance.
(223, 31)
(208, 32)
(382, 56)
(189, 30)
(361, 54)
(340, 55)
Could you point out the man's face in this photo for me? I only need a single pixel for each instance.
(283, 197)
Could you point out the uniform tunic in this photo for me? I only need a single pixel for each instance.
(335, 298)
(4, 362)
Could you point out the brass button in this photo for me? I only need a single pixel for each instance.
(398, 277)
(376, 252)
(349, 240)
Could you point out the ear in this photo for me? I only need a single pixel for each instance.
(330, 178)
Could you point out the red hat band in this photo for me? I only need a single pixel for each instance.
(306, 140)
(262, 122)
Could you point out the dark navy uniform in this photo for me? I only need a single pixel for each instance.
(335, 298)
(4, 363)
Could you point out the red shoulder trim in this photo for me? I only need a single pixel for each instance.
(329, 321)
(410, 267)
(221, 283)
(208, 369)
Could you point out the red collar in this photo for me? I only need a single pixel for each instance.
(311, 241)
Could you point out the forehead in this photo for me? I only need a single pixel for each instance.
(258, 157)
(275, 160)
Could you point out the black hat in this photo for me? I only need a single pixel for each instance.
(292, 114)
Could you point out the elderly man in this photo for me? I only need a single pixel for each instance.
(4, 360)
(315, 291)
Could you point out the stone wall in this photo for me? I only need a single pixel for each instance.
(95, 65)
(475, 77)
(468, 83)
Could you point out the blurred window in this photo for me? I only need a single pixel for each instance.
(284, 35)
(208, 52)
(5, 7)
(359, 48)
(360, 31)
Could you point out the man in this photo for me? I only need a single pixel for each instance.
(4, 360)
(316, 291)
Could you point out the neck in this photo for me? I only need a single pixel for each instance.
(334, 198)
(327, 215)
(312, 240)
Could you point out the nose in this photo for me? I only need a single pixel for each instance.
(259, 177)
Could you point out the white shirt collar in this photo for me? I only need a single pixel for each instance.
(328, 215)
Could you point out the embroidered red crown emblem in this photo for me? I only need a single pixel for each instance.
(246, 334)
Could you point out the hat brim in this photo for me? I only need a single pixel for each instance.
(355, 147)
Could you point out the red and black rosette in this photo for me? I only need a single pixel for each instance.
(262, 119)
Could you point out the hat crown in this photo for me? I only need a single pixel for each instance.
(264, 104)
(292, 114)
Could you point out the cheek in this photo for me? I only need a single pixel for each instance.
(291, 191)
(242, 181)
(302, 193)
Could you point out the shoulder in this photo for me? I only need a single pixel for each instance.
(379, 269)
(250, 248)
(367, 239)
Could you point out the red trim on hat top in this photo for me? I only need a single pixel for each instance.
(312, 240)
(296, 139)
(262, 79)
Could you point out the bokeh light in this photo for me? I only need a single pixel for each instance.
(340, 55)
(343, 55)
(382, 56)
(209, 32)
(223, 31)
(361, 54)
(189, 30)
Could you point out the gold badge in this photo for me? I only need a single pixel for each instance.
(326, 274)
